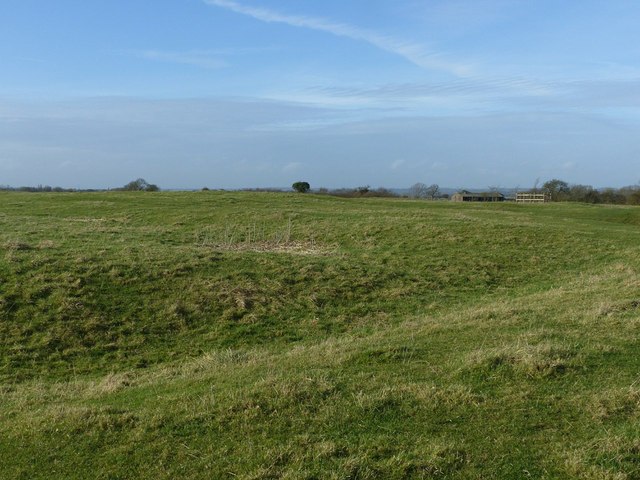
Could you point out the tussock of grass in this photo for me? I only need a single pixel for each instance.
(17, 246)
(541, 360)
(617, 404)
(297, 248)
(260, 237)
(608, 309)
(77, 420)
(615, 457)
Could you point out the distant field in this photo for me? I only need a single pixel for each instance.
(269, 335)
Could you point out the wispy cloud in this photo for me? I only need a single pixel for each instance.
(462, 87)
(291, 167)
(477, 95)
(473, 95)
(396, 164)
(415, 53)
(202, 59)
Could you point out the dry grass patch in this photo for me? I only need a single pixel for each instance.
(292, 247)
(614, 457)
(16, 246)
(112, 383)
(414, 396)
(81, 419)
(46, 244)
(453, 395)
(620, 403)
(544, 359)
(279, 396)
(257, 237)
(434, 459)
(607, 309)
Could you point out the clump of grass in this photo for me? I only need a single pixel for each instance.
(612, 308)
(613, 457)
(111, 383)
(449, 396)
(258, 237)
(617, 404)
(80, 419)
(277, 397)
(46, 244)
(17, 246)
(532, 360)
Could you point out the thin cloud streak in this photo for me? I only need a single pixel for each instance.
(413, 52)
(468, 87)
(610, 98)
(196, 59)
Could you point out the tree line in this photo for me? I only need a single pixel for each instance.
(41, 188)
(418, 190)
(138, 185)
(558, 190)
(561, 191)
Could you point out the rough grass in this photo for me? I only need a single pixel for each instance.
(433, 341)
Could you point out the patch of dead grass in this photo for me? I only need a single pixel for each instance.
(545, 359)
(613, 457)
(621, 403)
(16, 246)
(295, 248)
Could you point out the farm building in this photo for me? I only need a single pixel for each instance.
(527, 197)
(466, 196)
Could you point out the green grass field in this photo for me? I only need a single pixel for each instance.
(210, 335)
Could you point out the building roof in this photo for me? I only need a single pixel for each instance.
(479, 194)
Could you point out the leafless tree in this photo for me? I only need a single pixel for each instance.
(432, 191)
(418, 190)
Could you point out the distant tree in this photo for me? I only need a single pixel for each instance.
(382, 192)
(613, 196)
(140, 185)
(557, 189)
(634, 198)
(583, 193)
(363, 191)
(418, 190)
(301, 187)
(432, 191)
(535, 186)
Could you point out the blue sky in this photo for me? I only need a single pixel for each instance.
(247, 93)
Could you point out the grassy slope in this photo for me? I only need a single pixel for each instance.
(177, 335)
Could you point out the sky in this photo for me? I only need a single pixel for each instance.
(339, 93)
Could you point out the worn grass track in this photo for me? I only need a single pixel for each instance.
(247, 335)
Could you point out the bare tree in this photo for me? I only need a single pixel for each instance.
(535, 185)
(432, 191)
(557, 189)
(418, 190)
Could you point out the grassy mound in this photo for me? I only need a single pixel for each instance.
(250, 335)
